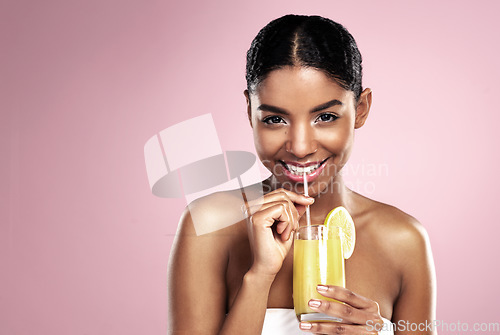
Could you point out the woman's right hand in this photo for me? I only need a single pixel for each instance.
(272, 221)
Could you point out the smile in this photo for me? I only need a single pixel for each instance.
(295, 171)
(300, 170)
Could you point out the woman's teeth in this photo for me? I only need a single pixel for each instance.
(299, 171)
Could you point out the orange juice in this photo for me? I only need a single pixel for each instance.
(317, 259)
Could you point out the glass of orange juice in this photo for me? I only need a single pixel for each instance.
(317, 259)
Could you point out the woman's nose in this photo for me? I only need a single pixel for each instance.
(301, 141)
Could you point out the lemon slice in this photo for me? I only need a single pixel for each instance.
(340, 217)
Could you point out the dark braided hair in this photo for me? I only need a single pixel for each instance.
(310, 41)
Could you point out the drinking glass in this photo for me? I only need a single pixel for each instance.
(317, 259)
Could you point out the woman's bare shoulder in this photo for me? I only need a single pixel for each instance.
(207, 230)
(403, 244)
(218, 214)
(391, 227)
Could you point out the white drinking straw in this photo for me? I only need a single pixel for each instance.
(306, 192)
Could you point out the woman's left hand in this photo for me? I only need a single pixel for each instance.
(359, 315)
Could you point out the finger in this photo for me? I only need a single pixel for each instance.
(294, 223)
(296, 198)
(301, 209)
(299, 201)
(288, 207)
(289, 229)
(255, 205)
(336, 328)
(266, 218)
(292, 196)
(344, 295)
(345, 312)
(283, 228)
(256, 208)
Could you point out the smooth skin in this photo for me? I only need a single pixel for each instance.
(222, 282)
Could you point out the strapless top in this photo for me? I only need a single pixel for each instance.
(282, 321)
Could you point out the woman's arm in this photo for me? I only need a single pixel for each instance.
(416, 304)
(197, 268)
(249, 308)
(196, 285)
(197, 288)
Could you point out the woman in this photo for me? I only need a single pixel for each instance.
(304, 99)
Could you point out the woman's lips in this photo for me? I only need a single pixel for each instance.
(310, 170)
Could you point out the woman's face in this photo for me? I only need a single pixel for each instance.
(303, 123)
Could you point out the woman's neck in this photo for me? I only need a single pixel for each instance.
(336, 194)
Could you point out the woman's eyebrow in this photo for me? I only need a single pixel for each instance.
(278, 110)
(326, 105)
(272, 109)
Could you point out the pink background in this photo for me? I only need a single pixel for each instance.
(84, 244)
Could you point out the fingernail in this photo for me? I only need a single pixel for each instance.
(305, 325)
(310, 199)
(322, 288)
(314, 303)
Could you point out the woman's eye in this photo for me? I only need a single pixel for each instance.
(327, 117)
(273, 119)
